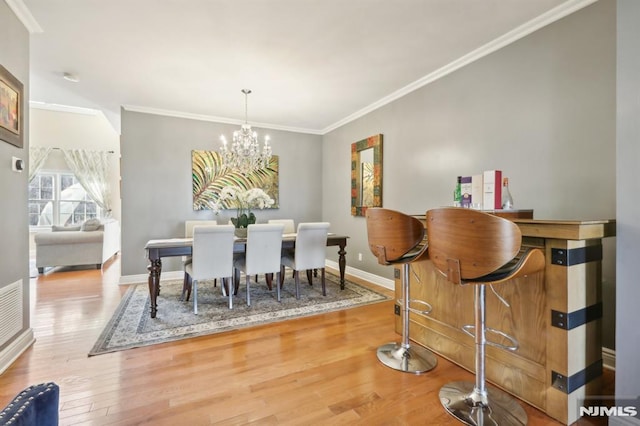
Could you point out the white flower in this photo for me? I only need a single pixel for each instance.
(215, 207)
(245, 199)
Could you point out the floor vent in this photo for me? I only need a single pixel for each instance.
(10, 311)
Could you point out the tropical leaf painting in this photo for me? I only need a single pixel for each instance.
(209, 177)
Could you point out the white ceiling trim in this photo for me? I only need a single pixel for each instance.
(64, 108)
(204, 117)
(24, 15)
(541, 21)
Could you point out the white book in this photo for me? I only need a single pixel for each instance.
(476, 192)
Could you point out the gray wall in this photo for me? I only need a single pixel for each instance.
(628, 206)
(541, 109)
(14, 262)
(156, 179)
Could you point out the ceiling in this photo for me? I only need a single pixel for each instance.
(311, 64)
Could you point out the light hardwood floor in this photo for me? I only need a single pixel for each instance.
(320, 370)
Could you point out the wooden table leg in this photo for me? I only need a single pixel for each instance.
(342, 262)
(269, 279)
(155, 267)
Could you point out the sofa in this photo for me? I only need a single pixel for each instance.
(92, 243)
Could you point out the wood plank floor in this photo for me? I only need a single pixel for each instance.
(310, 371)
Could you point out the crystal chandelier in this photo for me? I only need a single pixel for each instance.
(245, 155)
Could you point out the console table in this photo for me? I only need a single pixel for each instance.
(555, 315)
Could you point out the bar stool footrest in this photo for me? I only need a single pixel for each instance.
(418, 311)
(414, 310)
(512, 347)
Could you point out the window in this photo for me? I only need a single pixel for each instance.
(59, 199)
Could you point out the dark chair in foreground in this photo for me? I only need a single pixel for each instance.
(472, 247)
(35, 406)
(398, 239)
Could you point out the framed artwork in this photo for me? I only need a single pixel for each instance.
(11, 109)
(366, 175)
(209, 177)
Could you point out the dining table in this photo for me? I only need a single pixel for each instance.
(169, 247)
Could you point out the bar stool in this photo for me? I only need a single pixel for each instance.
(472, 247)
(396, 238)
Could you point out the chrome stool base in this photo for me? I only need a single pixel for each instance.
(501, 409)
(411, 359)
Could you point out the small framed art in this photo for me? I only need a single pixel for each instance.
(11, 109)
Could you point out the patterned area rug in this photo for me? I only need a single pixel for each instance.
(131, 325)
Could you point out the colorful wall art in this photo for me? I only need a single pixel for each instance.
(209, 177)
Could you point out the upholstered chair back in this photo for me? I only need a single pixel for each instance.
(264, 246)
(212, 251)
(311, 245)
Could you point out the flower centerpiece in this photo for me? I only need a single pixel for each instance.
(244, 200)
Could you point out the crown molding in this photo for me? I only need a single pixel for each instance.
(512, 36)
(64, 108)
(204, 117)
(24, 15)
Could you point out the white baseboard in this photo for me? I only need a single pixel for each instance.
(609, 358)
(375, 279)
(9, 354)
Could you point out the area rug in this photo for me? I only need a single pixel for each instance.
(131, 325)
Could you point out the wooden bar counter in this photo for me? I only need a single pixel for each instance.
(555, 315)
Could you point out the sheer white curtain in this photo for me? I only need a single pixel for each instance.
(37, 157)
(92, 171)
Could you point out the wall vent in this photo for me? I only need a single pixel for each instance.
(10, 311)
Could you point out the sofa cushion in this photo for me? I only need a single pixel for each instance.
(90, 225)
(58, 228)
(75, 237)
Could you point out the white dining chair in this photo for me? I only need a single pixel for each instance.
(309, 253)
(289, 228)
(212, 257)
(289, 225)
(190, 224)
(188, 233)
(262, 255)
